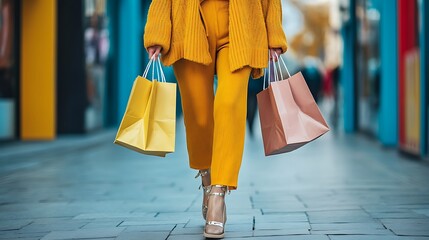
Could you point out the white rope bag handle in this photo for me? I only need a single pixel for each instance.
(160, 76)
(275, 68)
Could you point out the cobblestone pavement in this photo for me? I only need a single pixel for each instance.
(340, 187)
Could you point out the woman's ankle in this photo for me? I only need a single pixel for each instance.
(205, 177)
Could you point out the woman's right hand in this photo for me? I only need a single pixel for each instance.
(154, 51)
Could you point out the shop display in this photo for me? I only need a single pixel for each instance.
(8, 81)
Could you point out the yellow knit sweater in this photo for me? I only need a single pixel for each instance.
(254, 26)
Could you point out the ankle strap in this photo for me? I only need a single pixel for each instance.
(215, 223)
(202, 173)
(220, 194)
(223, 187)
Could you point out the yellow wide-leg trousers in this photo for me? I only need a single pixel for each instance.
(215, 123)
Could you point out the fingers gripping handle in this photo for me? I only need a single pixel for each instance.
(278, 68)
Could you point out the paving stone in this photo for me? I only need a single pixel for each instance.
(339, 216)
(163, 207)
(178, 215)
(278, 204)
(346, 226)
(414, 224)
(187, 230)
(84, 233)
(411, 231)
(142, 236)
(399, 215)
(36, 227)
(187, 237)
(293, 237)
(21, 235)
(285, 210)
(151, 228)
(238, 234)
(283, 225)
(422, 211)
(24, 238)
(392, 207)
(375, 237)
(59, 220)
(239, 219)
(193, 223)
(245, 228)
(149, 222)
(264, 196)
(239, 202)
(102, 224)
(243, 211)
(280, 232)
(115, 215)
(13, 224)
(289, 217)
(353, 232)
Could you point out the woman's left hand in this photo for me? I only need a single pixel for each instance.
(273, 52)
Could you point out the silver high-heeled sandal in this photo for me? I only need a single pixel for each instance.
(217, 223)
(206, 190)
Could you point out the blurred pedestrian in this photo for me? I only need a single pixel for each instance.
(313, 73)
(255, 87)
(331, 81)
(199, 40)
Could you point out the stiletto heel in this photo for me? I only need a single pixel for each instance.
(217, 223)
(206, 190)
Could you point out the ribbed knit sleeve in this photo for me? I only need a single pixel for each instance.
(276, 35)
(158, 25)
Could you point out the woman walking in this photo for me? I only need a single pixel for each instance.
(202, 38)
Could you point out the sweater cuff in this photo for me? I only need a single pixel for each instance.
(277, 38)
(158, 25)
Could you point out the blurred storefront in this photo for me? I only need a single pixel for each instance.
(97, 45)
(83, 51)
(8, 69)
(66, 67)
(413, 77)
(385, 47)
(424, 70)
(368, 65)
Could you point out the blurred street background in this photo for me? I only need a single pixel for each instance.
(66, 71)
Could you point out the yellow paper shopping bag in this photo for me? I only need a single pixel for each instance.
(149, 123)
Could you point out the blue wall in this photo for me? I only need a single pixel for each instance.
(347, 75)
(111, 106)
(129, 55)
(388, 116)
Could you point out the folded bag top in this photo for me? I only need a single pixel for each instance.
(149, 122)
(288, 113)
